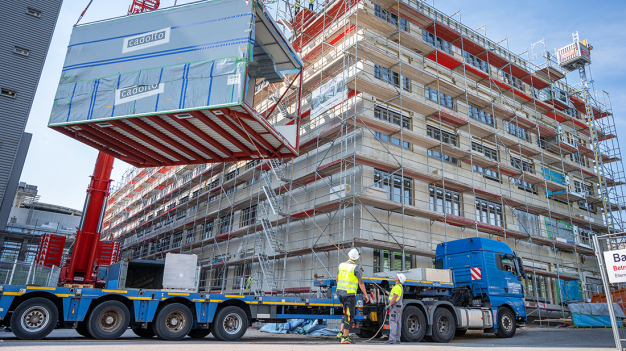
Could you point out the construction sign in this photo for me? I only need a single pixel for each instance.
(50, 250)
(615, 262)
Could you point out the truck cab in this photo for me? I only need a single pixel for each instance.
(490, 271)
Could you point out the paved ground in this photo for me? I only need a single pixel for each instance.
(527, 339)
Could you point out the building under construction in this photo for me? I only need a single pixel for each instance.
(414, 130)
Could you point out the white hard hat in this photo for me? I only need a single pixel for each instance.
(401, 277)
(353, 254)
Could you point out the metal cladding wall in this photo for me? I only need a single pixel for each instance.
(20, 73)
(185, 57)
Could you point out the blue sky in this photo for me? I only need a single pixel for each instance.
(61, 167)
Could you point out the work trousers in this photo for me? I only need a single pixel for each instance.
(395, 321)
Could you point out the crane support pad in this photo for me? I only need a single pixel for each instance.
(175, 86)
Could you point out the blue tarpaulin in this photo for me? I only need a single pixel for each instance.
(594, 314)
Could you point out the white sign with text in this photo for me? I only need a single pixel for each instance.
(616, 265)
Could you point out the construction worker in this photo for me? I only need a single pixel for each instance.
(395, 310)
(349, 278)
(311, 3)
(297, 6)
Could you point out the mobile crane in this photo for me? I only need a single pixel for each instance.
(475, 286)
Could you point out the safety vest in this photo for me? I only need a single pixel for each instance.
(346, 280)
(396, 290)
(311, 2)
(297, 4)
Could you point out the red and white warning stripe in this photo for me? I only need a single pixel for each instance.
(476, 275)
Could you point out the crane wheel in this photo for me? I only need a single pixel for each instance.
(109, 320)
(34, 319)
(230, 323)
(173, 322)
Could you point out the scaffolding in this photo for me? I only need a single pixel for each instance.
(435, 133)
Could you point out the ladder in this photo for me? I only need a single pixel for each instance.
(269, 278)
(597, 152)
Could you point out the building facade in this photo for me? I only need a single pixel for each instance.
(29, 219)
(27, 27)
(415, 130)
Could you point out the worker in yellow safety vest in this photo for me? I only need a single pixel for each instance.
(395, 310)
(311, 3)
(297, 6)
(349, 279)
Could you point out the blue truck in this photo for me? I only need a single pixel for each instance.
(475, 285)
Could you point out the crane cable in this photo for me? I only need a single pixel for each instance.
(318, 227)
(83, 13)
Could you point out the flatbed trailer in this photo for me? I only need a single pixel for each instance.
(31, 310)
(489, 299)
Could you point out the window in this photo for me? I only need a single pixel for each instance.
(398, 188)
(524, 166)
(391, 18)
(489, 153)
(528, 223)
(480, 115)
(514, 129)
(190, 235)
(446, 201)
(441, 98)
(537, 288)
(163, 244)
(226, 223)
(231, 175)
(584, 236)
(8, 93)
(242, 272)
(195, 194)
(489, 212)
(21, 51)
(248, 216)
(506, 263)
(208, 230)
(33, 12)
(445, 137)
(177, 239)
(385, 261)
(585, 190)
(559, 229)
(392, 117)
(441, 44)
(220, 275)
(476, 62)
(11, 250)
(392, 77)
(510, 80)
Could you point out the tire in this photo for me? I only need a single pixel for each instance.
(81, 328)
(444, 326)
(506, 323)
(147, 333)
(212, 330)
(460, 332)
(34, 319)
(108, 321)
(230, 323)
(199, 333)
(413, 324)
(173, 322)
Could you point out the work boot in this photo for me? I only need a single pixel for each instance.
(346, 341)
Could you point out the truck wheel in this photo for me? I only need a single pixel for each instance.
(413, 324)
(108, 321)
(444, 325)
(230, 323)
(34, 319)
(81, 328)
(173, 322)
(147, 333)
(506, 323)
(199, 333)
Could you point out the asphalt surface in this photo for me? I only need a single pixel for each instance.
(526, 339)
